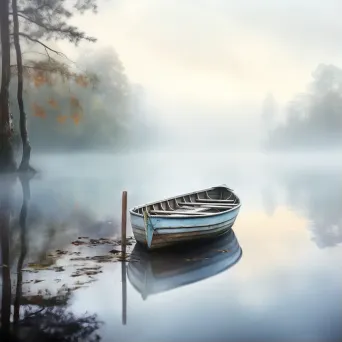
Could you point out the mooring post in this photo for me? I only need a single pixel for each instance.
(124, 223)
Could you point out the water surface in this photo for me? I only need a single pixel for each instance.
(277, 278)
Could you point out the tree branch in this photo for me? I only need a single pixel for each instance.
(32, 314)
(26, 18)
(37, 52)
(47, 52)
(41, 24)
(69, 31)
(31, 67)
(36, 9)
(41, 43)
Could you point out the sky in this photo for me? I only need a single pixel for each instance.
(217, 57)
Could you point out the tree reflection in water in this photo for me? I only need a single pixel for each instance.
(41, 317)
(6, 190)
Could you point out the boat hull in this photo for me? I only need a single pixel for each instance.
(168, 231)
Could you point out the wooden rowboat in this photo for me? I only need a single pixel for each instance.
(163, 270)
(202, 214)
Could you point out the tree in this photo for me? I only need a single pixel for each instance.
(43, 20)
(24, 165)
(69, 113)
(7, 162)
(313, 118)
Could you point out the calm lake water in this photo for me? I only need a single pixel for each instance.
(277, 277)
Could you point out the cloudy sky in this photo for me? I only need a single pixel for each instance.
(218, 55)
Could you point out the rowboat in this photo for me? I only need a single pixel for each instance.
(202, 214)
(159, 271)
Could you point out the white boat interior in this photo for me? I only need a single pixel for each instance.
(201, 203)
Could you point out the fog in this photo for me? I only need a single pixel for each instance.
(180, 105)
(313, 119)
(245, 80)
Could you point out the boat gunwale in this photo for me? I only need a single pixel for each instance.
(131, 211)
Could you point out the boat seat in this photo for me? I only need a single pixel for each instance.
(192, 209)
(183, 210)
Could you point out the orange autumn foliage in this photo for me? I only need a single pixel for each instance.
(39, 79)
(52, 102)
(62, 118)
(74, 102)
(76, 117)
(81, 81)
(38, 111)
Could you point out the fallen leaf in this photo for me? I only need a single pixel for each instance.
(77, 243)
(114, 251)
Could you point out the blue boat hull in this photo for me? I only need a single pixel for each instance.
(160, 232)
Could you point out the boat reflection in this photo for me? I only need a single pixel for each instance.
(160, 271)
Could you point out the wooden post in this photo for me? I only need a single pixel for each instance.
(124, 223)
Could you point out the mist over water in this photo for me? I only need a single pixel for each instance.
(94, 181)
(286, 284)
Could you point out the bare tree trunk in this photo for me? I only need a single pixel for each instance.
(7, 162)
(25, 161)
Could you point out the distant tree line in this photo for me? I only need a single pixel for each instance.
(313, 119)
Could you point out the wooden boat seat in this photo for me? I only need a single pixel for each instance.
(189, 209)
(207, 200)
(178, 212)
(209, 205)
(192, 209)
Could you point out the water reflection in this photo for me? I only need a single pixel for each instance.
(40, 316)
(316, 193)
(284, 287)
(25, 184)
(160, 271)
(6, 190)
